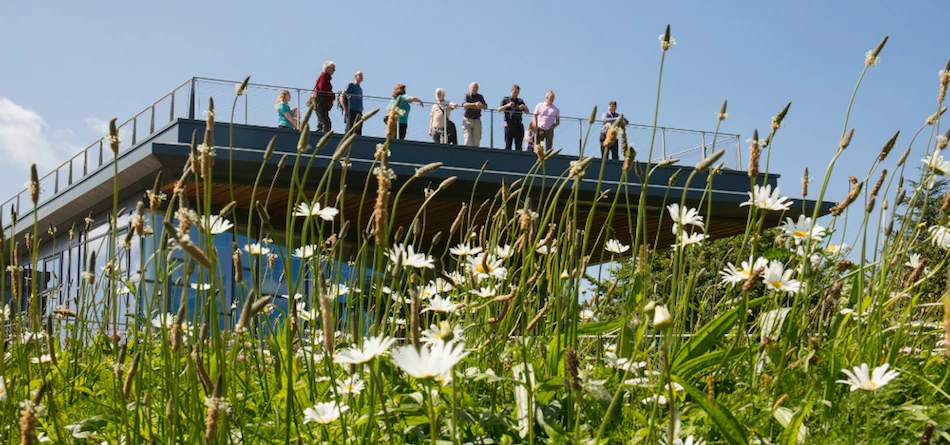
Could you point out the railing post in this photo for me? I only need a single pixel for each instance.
(171, 109)
(85, 161)
(56, 181)
(247, 93)
(491, 129)
(100, 153)
(580, 138)
(135, 126)
(70, 171)
(738, 155)
(704, 145)
(191, 99)
(151, 126)
(663, 143)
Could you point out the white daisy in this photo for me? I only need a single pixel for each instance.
(687, 239)
(338, 290)
(587, 315)
(324, 413)
(657, 398)
(439, 304)
(216, 224)
(940, 236)
(256, 249)
(802, 230)
(485, 266)
(464, 250)
(546, 249)
(777, 278)
(614, 246)
(733, 275)
(764, 198)
(859, 378)
(351, 385)
(409, 258)
(684, 216)
(45, 358)
(456, 278)
(200, 286)
(434, 361)
(325, 213)
(485, 292)
(913, 262)
(307, 251)
(372, 347)
(311, 315)
(441, 333)
(503, 251)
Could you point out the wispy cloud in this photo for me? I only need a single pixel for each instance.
(25, 138)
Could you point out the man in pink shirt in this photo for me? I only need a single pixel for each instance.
(546, 118)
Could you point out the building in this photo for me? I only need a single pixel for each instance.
(77, 198)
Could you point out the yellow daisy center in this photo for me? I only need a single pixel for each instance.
(777, 284)
(483, 268)
(800, 234)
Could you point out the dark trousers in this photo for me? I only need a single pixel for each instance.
(402, 130)
(611, 151)
(514, 132)
(323, 120)
(547, 136)
(351, 118)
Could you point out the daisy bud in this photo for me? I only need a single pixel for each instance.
(722, 115)
(661, 318)
(889, 145)
(649, 307)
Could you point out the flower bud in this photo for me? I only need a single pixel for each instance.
(661, 318)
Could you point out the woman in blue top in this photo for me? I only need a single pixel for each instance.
(402, 101)
(286, 116)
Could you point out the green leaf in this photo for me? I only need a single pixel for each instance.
(727, 424)
(599, 327)
(710, 334)
(793, 434)
(690, 368)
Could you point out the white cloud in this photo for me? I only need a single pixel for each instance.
(100, 126)
(26, 139)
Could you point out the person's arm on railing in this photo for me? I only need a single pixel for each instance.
(341, 101)
(416, 99)
(292, 117)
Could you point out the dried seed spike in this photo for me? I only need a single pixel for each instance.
(710, 160)
(945, 140)
(665, 43)
(426, 169)
(722, 111)
(933, 117)
(889, 145)
(879, 183)
(269, 151)
(755, 152)
(303, 143)
(780, 117)
(805, 180)
(846, 140)
(903, 158)
(127, 386)
(113, 137)
(870, 207)
(447, 182)
(753, 278)
(593, 116)
(243, 86)
(674, 177)
(873, 55)
(34, 184)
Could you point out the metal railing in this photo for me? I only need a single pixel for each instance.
(257, 107)
(179, 103)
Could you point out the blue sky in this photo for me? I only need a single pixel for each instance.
(69, 66)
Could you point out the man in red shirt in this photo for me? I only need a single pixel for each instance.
(324, 92)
